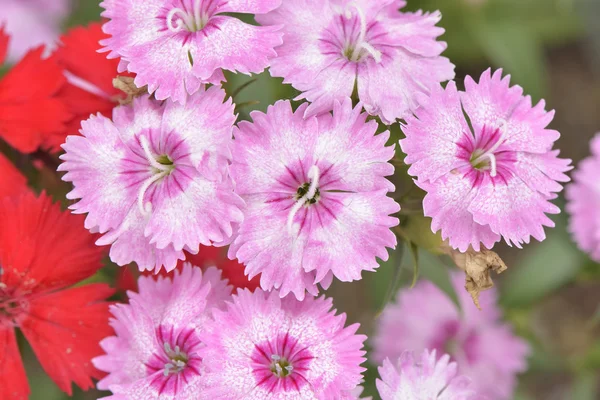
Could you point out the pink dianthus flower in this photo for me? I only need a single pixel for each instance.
(316, 196)
(583, 202)
(484, 347)
(175, 46)
(423, 379)
(331, 46)
(155, 352)
(154, 180)
(275, 349)
(491, 174)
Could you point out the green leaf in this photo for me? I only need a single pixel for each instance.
(433, 269)
(388, 278)
(585, 386)
(414, 252)
(548, 266)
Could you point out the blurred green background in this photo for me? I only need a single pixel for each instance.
(551, 291)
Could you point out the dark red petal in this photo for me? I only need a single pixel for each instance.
(4, 41)
(12, 182)
(29, 110)
(210, 256)
(42, 247)
(64, 329)
(79, 55)
(13, 380)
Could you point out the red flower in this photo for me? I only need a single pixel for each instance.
(211, 256)
(232, 270)
(89, 74)
(43, 251)
(12, 182)
(29, 109)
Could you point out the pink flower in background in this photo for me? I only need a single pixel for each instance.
(274, 349)
(32, 23)
(331, 46)
(155, 352)
(155, 180)
(492, 176)
(316, 196)
(484, 347)
(175, 46)
(425, 378)
(583, 202)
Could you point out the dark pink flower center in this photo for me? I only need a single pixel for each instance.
(190, 15)
(280, 364)
(484, 153)
(457, 341)
(177, 360)
(352, 37)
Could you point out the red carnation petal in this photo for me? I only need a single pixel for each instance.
(210, 256)
(4, 41)
(12, 182)
(79, 56)
(64, 329)
(29, 110)
(42, 247)
(13, 380)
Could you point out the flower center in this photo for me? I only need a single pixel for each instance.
(484, 160)
(11, 307)
(177, 360)
(357, 49)
(161, 165)
(306, 195)
(191, 20)
(280, 366)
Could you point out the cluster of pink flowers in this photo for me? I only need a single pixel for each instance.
(301, 196)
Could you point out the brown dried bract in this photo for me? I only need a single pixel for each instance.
(127, 86)
(478, 267)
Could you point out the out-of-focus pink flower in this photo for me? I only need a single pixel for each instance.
(155, 180)
(331, 46)
(316, 194)
(490, 176)
(583, 197)
(268, 348)
(175, 46)
(484, 347)
(155, 352)
(32, 23)
(425, 378)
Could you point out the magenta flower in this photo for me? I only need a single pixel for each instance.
(491, 176)
(484, 347)
(155, 352)
(316, 196)
(583, 202)
(154, 180)
(274, 349)
(331, 46)
(174, 46)
(424, 379)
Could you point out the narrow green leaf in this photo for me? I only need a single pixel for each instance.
(394, 274)
(585, 386)
(414, 252)
(242, 87)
